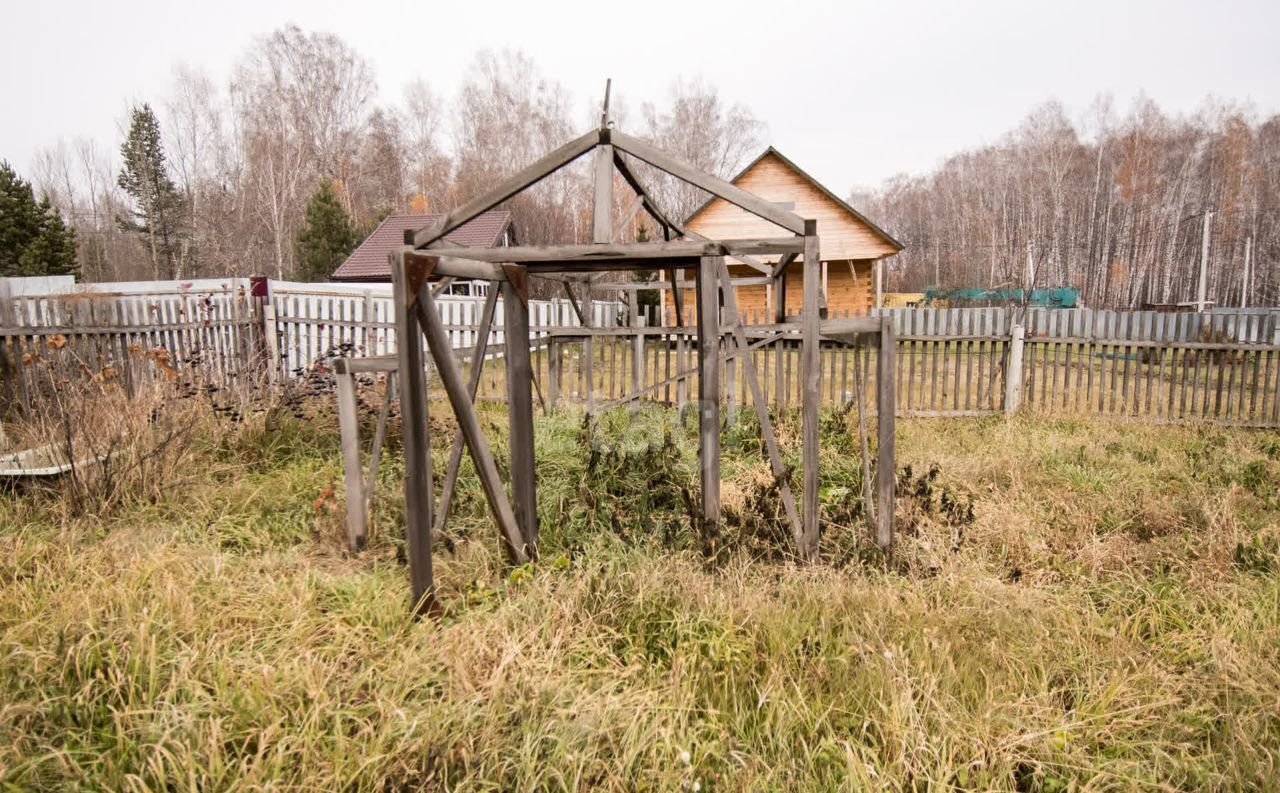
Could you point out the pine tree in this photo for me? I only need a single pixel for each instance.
(327, 235)
(158, 213)
(33, 238)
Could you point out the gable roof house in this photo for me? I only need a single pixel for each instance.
(368, 262)
(851, 246)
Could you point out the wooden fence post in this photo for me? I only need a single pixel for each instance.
(1013, 370)
(811, 373)
(353, 474)
(9, 361)
(709, 400)
(886, 408)
(515, 336)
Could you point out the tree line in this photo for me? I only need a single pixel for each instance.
(288, 165)
(1114, 205)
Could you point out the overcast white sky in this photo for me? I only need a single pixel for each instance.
(852, 91)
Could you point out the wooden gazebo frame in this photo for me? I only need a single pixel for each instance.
(426, 255)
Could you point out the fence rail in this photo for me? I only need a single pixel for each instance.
(1221, 366)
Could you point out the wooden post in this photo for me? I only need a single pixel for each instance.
(709, 401)
(352, 470)
(811, 372)
(886, 406)
(515, 312)
(637, 346)
(413, 433)
(9, 361)
(780, 349)
(554, 375)
(602, 204)
(1013, 370)
(469, 425)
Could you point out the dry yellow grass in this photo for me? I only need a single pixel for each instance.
(1109, 618)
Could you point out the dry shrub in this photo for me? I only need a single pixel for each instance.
(124, 442)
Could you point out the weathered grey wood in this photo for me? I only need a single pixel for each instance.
(606, 254)
(555, 372)
(602, 195)
(811, 373)
(379, 438)
(522, 179)
(785, 261)
(709, 401)
(469, 423)
(743, 256)
(480, 350)
(1013, 371)
(666, 286)
(886, 404)
(637, 344)
(714, 185)
(780, 350)
(780, 473)
(352, 467)
(417, 451)
(677, 298)
(860, 400)
(366, 365)
(519, 377)
(450, 266)
(650, 205)
(628, 214)
(680, 377)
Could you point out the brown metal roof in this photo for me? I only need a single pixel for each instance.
(368, 262)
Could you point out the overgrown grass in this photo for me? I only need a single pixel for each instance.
(1073, 605)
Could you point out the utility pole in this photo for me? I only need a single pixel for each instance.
(1201, 302)
(1245, 278)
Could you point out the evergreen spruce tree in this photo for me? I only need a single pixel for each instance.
(33, 238)
(326, 237)
(158, 211)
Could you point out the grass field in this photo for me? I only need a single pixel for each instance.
(1072, 606)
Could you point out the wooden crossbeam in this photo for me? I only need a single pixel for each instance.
(479, 351)
(781, 267)
(744, 258)
(628, 215)
(649, 204)
(522, 179)
(780, 473)
(712, 184)
(469, 423)
(612, 252)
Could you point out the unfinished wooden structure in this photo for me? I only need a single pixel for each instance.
(720, 336)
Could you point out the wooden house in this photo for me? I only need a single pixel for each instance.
(851, 247)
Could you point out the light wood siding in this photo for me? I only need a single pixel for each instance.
(840, 235)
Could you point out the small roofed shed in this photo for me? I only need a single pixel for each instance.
(368, 262)
(851, 246)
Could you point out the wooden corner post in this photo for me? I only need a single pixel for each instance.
(886, 410)
(811, 372)
(515, 313)
(709, 400)
(413, 432)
